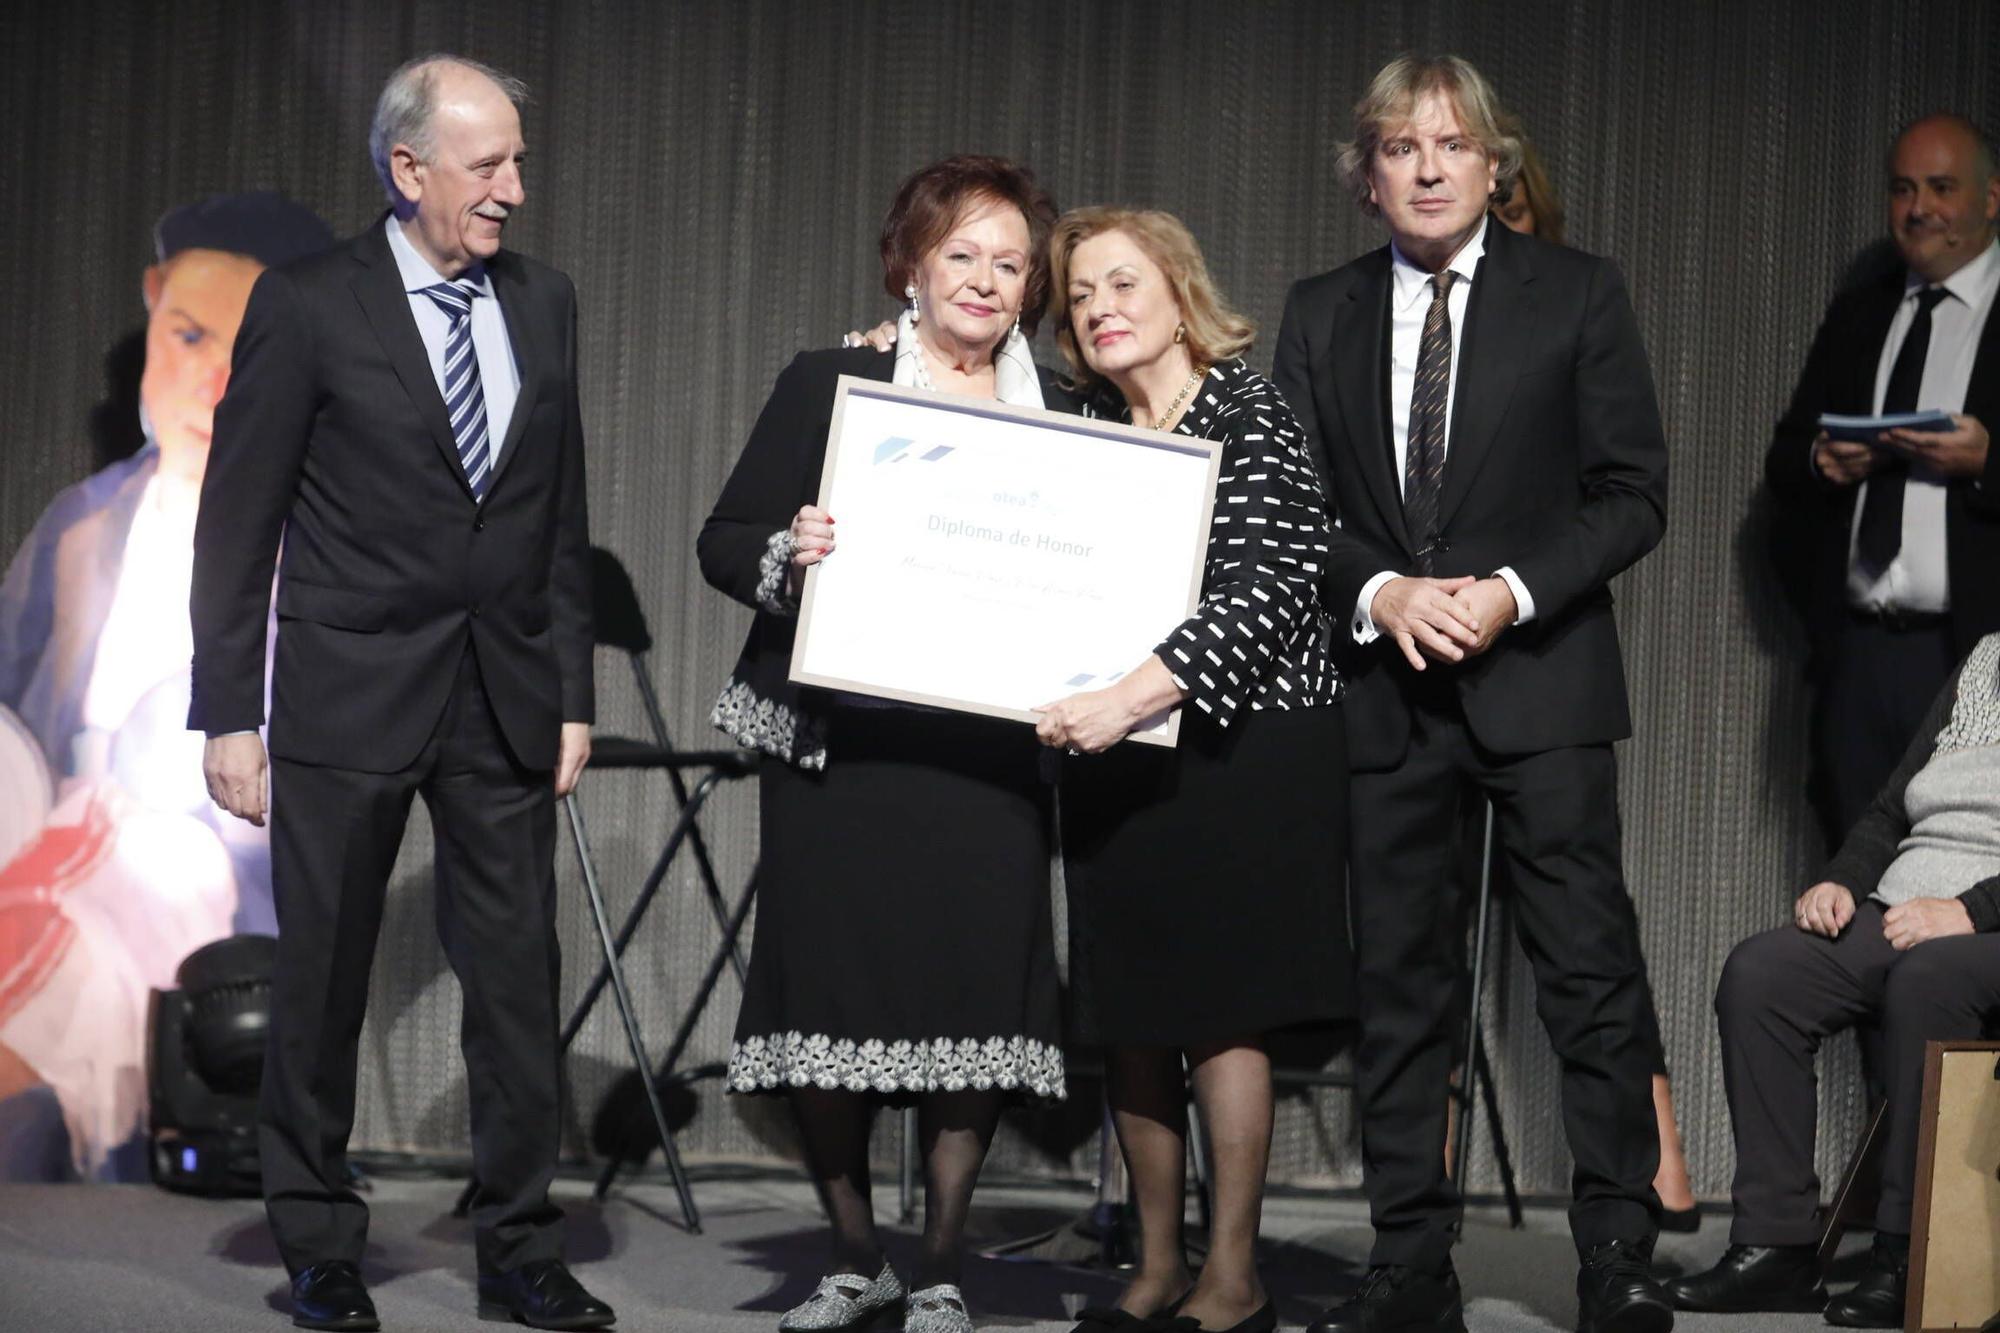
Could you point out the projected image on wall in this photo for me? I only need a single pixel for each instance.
(113, 864)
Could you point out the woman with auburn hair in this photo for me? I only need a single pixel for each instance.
(1205, 896)
(904, 947)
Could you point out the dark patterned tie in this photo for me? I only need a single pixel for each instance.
(1881, 533)
(1423, 465)
(464, 398)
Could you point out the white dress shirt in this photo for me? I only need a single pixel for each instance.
(1918, 579)
(499, 377)
(1409, 305)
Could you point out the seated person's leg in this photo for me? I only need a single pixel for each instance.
(1940, 990)
(1782, 993)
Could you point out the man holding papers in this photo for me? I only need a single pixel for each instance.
(1881, 533)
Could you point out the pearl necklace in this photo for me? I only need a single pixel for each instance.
(1161, 422)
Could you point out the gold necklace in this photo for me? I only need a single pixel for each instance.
(1165, 420)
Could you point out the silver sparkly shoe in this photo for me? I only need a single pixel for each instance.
(939, 1309)
(844, 1301)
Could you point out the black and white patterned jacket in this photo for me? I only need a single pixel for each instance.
(1259, 636)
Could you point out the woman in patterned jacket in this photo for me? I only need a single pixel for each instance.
(1204, 882)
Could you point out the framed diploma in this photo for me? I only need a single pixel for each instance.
(993, 558)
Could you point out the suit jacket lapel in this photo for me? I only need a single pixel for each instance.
(1360, 337)
(1499, 324)
(379, 288)
(510, 289)
(1982, 394)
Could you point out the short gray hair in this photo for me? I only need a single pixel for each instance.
(403, 111)
(1392, 99)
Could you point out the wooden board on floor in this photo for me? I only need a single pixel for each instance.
(1955, 1246)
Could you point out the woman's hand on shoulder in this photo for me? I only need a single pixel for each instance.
(882, 337)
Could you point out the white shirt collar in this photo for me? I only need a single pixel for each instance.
(1972, 284)
(1413, 282)
(1015, 379)
(416, 271)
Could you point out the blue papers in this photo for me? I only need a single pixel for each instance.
(1864, 430)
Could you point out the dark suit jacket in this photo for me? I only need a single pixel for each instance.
(1556, 466)
(1815, 517)
(333, 431)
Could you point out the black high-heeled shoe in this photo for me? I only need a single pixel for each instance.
(1111, 1319)
(1264, 1319)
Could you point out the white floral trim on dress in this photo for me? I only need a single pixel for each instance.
(767, 726)
(946, 1064)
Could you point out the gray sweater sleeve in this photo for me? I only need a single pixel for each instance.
(1871, 844)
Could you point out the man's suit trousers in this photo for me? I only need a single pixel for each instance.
(1556, 827)
(1783, 993)
(334, 836)
(1878, 684)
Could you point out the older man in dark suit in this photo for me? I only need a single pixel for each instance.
(1889, 546)
(403, 409)
(1492, 445)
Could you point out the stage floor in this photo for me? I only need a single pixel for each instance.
(133, 1259)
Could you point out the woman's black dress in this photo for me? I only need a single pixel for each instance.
(903, 938)
(1206, 889)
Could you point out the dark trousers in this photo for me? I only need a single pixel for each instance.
(1783, 993)
(1556, 827)
(1879, 683)
(334, 835)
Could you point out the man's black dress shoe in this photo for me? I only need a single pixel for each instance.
(1616, 1293)
(541, 1294)
(1395, 1299)
(331, 1295)
(1877, 1300)
(1767, 1278)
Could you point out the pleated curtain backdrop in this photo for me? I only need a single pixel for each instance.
(713, 177)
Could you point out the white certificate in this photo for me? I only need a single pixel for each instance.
(991, 558)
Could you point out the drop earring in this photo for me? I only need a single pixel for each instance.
(1180, 333)
(1017, 326)
(910, 292)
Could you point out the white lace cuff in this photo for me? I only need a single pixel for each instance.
(774, 585)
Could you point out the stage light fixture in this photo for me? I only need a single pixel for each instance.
(205, 1045)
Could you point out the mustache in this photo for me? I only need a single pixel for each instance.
(493, 212)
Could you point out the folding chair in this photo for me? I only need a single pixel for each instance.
(620, 623)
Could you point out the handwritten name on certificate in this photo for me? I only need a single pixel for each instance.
(992, 558)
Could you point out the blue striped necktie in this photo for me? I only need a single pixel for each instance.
(464, 399)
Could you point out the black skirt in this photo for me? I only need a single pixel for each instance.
(903, 940)
(1206, 884)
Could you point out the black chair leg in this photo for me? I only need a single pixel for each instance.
(1477, 1070)
(640, 1062)
(630, 927)
(1463, 1094)
(732, 931)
